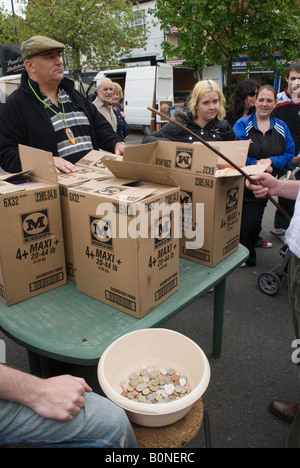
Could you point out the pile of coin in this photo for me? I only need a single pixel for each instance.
(155, 385)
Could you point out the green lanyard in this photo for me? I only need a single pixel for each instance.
(69, 132)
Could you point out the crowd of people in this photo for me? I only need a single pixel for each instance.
(272, 125)
(46, 112)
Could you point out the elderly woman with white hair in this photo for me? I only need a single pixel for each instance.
(204, 117)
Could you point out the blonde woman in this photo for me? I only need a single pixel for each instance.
(122, 126)
(205, 117)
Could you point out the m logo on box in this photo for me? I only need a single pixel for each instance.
(184, 159)
(186, 197)
(232, 199)
(101, 232)
(35, 225)
(162, 230)
(111, 191)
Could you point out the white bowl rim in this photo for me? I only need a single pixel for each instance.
(159, 409)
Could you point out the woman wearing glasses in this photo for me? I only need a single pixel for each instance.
(242, 101)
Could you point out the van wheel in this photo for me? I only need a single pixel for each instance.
(146, 130)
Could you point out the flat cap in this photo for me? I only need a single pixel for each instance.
(39, 45)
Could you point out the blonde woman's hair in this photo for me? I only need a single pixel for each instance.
(201, 88)
(117, 89)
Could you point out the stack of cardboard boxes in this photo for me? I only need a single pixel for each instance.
(210, 191)
(126, 252)
(32, 258)
(119, 224)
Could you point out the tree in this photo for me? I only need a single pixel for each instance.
(96, 33)
(214, 33)
(8, 27)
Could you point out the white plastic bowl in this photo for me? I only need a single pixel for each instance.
(153, 347)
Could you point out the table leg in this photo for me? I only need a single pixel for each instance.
(34, 363)
(219, 303)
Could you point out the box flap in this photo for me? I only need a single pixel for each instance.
(141, 153)
(93, 160)
(6, 187)
(250, 170)
(39, 162)
(236, 151)
(82, 175)
(138, 171)
(7, 177)
(114, 189)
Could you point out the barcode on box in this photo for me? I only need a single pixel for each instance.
(120, 300)
(165, 289)
(45, 282)
(231, 246)
(197, 254)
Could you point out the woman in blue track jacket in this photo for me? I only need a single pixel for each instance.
(270, 143)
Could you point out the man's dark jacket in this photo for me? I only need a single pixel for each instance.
(23, 120)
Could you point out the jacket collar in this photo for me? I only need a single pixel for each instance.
(254, 120)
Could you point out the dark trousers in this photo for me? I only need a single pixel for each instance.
(294, 298)
(280, 220)
(253, 211)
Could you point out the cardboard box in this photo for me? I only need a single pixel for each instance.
(88, 168)
(32, 258)
(93, 161)
(126, 253)
(210, 236)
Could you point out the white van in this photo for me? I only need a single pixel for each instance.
(151, 86)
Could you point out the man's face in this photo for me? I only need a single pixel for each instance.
(293, 82)
(46, 68)
(105, 92)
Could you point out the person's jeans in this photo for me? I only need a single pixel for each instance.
(99, 424)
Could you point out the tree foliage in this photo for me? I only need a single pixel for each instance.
(96, 33)
(214, 33)
(8, 27)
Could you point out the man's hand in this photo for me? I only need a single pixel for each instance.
(119, 149)
(61, 165)
(266, 183)
(59, 397)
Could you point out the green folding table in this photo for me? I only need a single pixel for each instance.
(68, 326)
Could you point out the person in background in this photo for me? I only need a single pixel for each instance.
(122, 126)
(47, 113)
(58, 412)
(288, 110)
(242, 101)
(103, 101)
(287, 410)
(272, 144)
(205, 117)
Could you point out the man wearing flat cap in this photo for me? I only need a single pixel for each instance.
(46, 112)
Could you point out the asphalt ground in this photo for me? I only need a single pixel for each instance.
(256, 362)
